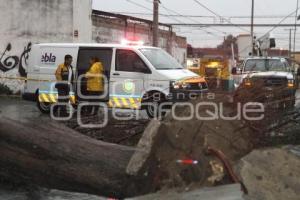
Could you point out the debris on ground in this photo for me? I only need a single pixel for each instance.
(174, 154)
(175, 140)
(123, 132)
(272, 174)
(163, 143)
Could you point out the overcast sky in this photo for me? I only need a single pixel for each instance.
(272, 10)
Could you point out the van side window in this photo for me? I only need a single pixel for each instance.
(83, 65)
(104, 55)
(129, 61)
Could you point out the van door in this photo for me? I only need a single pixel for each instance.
(83, 65)
(127, 80)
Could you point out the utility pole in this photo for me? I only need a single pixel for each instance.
(155, 22)
(290, 41)
(252, 26)
(290, 44)
(295, 31)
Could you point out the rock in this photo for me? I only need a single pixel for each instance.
(144, 149)
(271, 174)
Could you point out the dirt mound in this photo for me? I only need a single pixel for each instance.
(179, 140)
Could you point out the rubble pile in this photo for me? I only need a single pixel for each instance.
(173, 141)
(177, 140)
(272, 174)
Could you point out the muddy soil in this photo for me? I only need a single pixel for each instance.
(123, 132)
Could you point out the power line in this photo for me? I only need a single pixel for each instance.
(179, 14)
(192, 20)
(211, 11)
(207, 32)
(168, 16)
(234, 25)
(281, 21)
(168, 10)
(205, 16)
(139, 5)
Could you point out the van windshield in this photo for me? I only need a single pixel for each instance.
(160, 59)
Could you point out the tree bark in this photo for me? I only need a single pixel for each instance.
(54, 156)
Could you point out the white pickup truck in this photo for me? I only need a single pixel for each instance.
(272, 75)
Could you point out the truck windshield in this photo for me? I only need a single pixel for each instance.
(263, 65)
(160, 59)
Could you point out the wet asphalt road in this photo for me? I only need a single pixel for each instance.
(24, 111)
(20, 110)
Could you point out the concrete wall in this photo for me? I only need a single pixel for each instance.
(25, 22)
(38, 21)
(112, 30)
(35, 21)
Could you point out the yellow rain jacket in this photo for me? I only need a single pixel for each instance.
(94, 77)
(59, 72)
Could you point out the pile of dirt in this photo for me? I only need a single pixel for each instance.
(189, 139)
(178, 140)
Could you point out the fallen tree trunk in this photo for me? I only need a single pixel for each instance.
(54, 156)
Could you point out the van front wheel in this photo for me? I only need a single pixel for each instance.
(152, 109)
(152, 105)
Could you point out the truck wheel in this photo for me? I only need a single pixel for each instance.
(44, 107)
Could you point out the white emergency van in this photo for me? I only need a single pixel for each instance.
(134, 74)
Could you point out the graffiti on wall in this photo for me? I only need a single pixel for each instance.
(10, 62)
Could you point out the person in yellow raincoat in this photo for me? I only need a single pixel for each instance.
(94, 76)
(95, 80)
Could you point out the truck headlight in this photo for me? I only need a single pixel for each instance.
(291, 83)
(174, 85)
(179, 85)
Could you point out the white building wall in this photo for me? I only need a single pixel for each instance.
(38, 21)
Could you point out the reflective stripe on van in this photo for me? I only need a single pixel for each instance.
(114, 102)
(124, 102)
(52, 98)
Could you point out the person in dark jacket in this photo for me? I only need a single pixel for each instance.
(64, 77)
